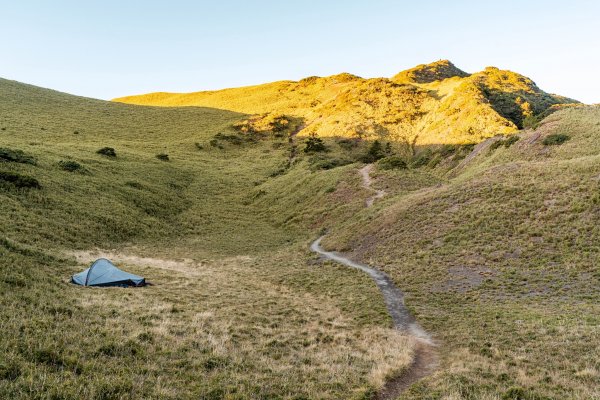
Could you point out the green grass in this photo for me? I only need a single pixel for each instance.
(498, 258)
(500, 262)
(252, 308)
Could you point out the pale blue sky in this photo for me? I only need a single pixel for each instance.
(110, 48)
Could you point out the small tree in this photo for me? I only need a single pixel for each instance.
(374, 153)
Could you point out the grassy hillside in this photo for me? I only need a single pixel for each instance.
(428, 104)
(237, 305)
(496, 245)
(501, 261)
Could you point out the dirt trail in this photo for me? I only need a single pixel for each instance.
(425, 361)
(365, 173)
(393, 297)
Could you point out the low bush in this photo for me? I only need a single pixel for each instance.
(264, 124)
(422, 158)
(19, 181)
(107, 151)
(509, 141)
(163, 157)
(555, 139)
(315, 145)
(448, 149)
(71, 166)
(392, 162)
(17, 156)
(324, 163)
(233, 139)
(215, 143)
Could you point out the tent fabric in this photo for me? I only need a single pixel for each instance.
(104, 273)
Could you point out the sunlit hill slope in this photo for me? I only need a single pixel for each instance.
(428, 104)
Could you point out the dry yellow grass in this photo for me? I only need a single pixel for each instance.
(431, 104)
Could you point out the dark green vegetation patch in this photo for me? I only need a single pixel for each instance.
(107, 151)
(16, 156)
(392, 162)
(18, 180)
(71, 166)
(555, 139)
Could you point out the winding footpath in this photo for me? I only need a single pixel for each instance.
(425, 360)
(365, 173)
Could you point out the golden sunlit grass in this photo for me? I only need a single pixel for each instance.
(498, 258)
(432, 104)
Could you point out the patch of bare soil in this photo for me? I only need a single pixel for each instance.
(365, 173)
(424, 363)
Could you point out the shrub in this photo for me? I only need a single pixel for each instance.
(17, 156)
(532, 121)
(374, 153)
(324, 163)
(392, 162)
(199, 146)
(70, 166)
(511, 140)
(315, 145)
(215, 143)
(421, 159)
(163, 157)
(107, 151)
(19, 181)
(233, 139)
(496, 144)
(555, 139)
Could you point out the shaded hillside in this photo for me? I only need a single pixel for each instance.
(432, 103)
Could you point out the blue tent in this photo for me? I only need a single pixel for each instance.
(103, 273)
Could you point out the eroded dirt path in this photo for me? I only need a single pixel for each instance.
(426, 360)
(365, 173)
(393, 297)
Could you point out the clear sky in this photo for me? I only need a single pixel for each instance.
(110, 48)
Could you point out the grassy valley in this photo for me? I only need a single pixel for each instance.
(491, 231)
(244, 309)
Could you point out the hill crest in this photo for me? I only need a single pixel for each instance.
(428, 104)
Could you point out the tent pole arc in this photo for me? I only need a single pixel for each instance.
(87, 278)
